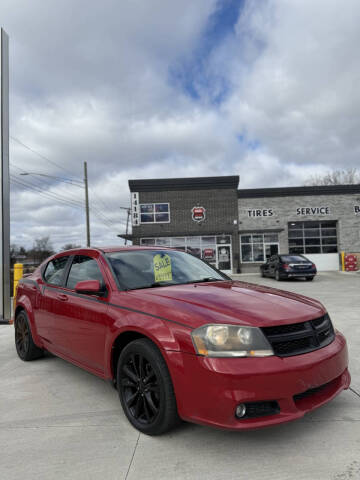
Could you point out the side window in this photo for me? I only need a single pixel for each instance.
(84, 268)
(55, 270)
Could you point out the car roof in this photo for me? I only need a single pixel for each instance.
(117, 248)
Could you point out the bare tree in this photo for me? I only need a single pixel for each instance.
(336, 177)
(42, 249)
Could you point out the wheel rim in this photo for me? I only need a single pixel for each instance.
(22, 336)
(141, 389)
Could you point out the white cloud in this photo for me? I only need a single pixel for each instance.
(90, 82)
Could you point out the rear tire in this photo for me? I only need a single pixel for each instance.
(277, 276)
(24, 343)
(145, 388)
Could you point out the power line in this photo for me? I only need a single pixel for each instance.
(39, 154)
(44, 192)
(72, 201)
(56, 198)
(42, 183)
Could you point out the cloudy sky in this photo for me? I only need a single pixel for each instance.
(161, 88)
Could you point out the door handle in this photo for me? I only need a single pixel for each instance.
(62, 297)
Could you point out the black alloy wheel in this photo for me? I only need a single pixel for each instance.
(145, 388)
(25, 346)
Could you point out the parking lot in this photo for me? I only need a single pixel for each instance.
(58, 421)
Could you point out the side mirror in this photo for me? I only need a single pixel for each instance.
(89, 287)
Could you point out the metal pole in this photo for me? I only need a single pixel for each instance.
(87, 206)
(5, 304)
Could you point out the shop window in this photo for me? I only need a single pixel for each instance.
(258, 247)
(313, 237)
(207, 247)
(163, 242)
(154, 213)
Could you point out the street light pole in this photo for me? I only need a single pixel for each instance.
(87, 205)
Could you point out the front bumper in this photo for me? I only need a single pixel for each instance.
(209, 389)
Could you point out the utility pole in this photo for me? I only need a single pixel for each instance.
(127, 220)
(87, 206)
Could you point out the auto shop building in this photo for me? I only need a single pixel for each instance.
(237, 229)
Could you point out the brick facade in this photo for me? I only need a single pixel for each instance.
(227, 211)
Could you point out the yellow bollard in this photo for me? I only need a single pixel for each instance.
(343, 261)
(18, 273)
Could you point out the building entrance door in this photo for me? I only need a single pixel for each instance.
(224, 258)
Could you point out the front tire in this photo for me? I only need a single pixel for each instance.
(309, 279)
(145, 388)
(24, 343)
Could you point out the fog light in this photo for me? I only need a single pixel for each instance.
(240, 410)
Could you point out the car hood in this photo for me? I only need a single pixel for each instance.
(226, 302)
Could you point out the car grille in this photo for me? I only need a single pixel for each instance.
(299, 338)
(310, 392)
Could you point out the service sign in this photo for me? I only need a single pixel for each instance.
(198, 214)
(305, 211)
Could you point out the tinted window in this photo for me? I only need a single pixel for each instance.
(55, 270)
(84, 268)
(293, 258)
(146, 268)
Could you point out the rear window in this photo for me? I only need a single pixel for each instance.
(294, 259)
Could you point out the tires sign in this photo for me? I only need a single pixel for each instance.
(198, 214)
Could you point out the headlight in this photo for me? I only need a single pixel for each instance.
(230, 341)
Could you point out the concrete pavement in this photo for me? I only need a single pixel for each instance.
(58, 421)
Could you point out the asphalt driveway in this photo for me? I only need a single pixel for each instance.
(58, 421)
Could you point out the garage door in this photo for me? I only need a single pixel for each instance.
(325, 262)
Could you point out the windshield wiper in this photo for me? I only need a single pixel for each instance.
(152, 285)
(207, 279)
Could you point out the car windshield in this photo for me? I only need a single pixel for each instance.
(294, 259)
(158, 268)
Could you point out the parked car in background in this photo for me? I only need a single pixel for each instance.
(286, 266)
(180, 339)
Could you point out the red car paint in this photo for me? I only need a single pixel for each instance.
(82, 329)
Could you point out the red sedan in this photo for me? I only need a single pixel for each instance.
(180, 339)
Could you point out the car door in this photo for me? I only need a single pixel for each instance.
(53, 277)
(82, 319)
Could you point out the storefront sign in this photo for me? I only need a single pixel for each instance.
(198, 214)
(264, 212)
(224, 255)
(208, 253)
(357, 209)
(305, 211)
(135, 209)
